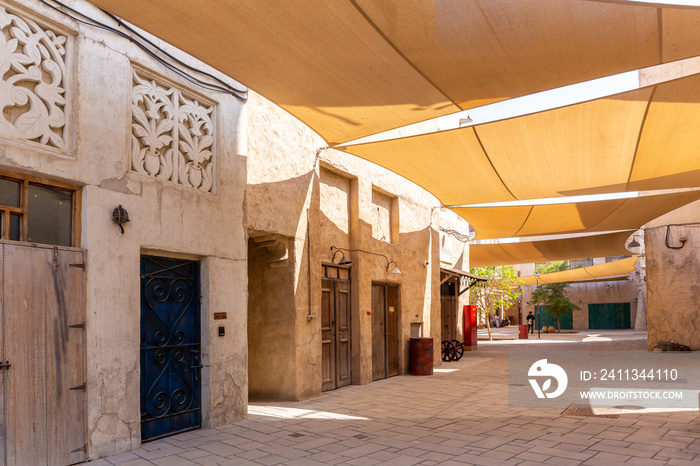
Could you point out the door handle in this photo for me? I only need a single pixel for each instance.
(196, 367)
(5, 365)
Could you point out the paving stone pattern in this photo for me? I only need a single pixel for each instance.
(453, 417)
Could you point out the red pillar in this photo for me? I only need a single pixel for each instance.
(469, 319)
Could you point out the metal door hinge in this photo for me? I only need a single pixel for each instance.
(79, 387)
(80, 325)
(80, 266)
(5, 365)
(77, 450)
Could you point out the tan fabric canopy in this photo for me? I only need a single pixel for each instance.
(350, 68)
(640, 140)
(610, 269)
(608, 215)
(581, 247)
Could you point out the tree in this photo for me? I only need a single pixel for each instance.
(500, 290)
(554, 295)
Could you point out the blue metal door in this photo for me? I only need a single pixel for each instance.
(170, 347)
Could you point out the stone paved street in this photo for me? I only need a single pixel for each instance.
(457, 416)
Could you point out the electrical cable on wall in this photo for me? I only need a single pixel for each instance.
(156, 52)
(459, 236)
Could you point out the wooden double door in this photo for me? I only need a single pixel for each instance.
(42, 354)
(385, 331)
(336, 327)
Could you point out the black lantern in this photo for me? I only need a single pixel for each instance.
(120, 216)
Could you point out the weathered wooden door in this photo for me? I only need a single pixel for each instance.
(385, 331)
(448, 307)
(335, 327)
(42, 323)
(170, 347)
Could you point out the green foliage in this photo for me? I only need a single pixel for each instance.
(554, 295)
(499, 292)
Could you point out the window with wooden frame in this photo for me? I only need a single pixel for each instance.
(33, 210)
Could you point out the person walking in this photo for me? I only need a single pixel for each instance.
(531, 322)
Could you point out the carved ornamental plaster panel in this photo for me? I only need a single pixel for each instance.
(172, 135)
(32, 81)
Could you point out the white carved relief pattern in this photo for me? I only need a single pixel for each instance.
(32, 81)
(172, 136)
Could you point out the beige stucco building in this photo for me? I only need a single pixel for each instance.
(222, 283)
(603, 304)
(315, 324)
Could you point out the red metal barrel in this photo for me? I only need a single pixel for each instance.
(523, 331)
(420, 356)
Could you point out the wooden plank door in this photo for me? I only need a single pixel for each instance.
(378, 332)
(392, 330)
(3, 359)
(448, 311)
(448, 314)
(328, 346)
(335, 328)
(385, 331)
(170, 347)
(44, 333)
(342, 337)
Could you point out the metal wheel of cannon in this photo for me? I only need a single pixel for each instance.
(459, 350)
(449, 352)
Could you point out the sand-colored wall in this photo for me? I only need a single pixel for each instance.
(672, 267)
(320, 198)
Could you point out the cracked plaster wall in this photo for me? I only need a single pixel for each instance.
(166, 219)
(673, 294)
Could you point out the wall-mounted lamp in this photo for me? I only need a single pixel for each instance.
(395, 269)
(120, 216)
(345, 261)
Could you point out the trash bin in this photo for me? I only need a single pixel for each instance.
(420, 356)
(523, 331)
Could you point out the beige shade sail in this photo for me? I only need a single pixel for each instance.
(350, 68)
(607, 215)
(609, 269)
(580, 247)
(638, 140)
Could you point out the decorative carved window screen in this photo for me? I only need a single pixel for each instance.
(172, 135)
(32, 81)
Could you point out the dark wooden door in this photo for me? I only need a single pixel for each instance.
(385, 331)
(335, 328)
(42, 323)
(448, 307)
(170, 347)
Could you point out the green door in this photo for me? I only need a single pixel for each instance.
(542, 317)
(609, 316)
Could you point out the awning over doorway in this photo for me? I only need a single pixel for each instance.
(607, 215)
(580, 247)
(609, 269)
(448, 274)
(350, 68)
